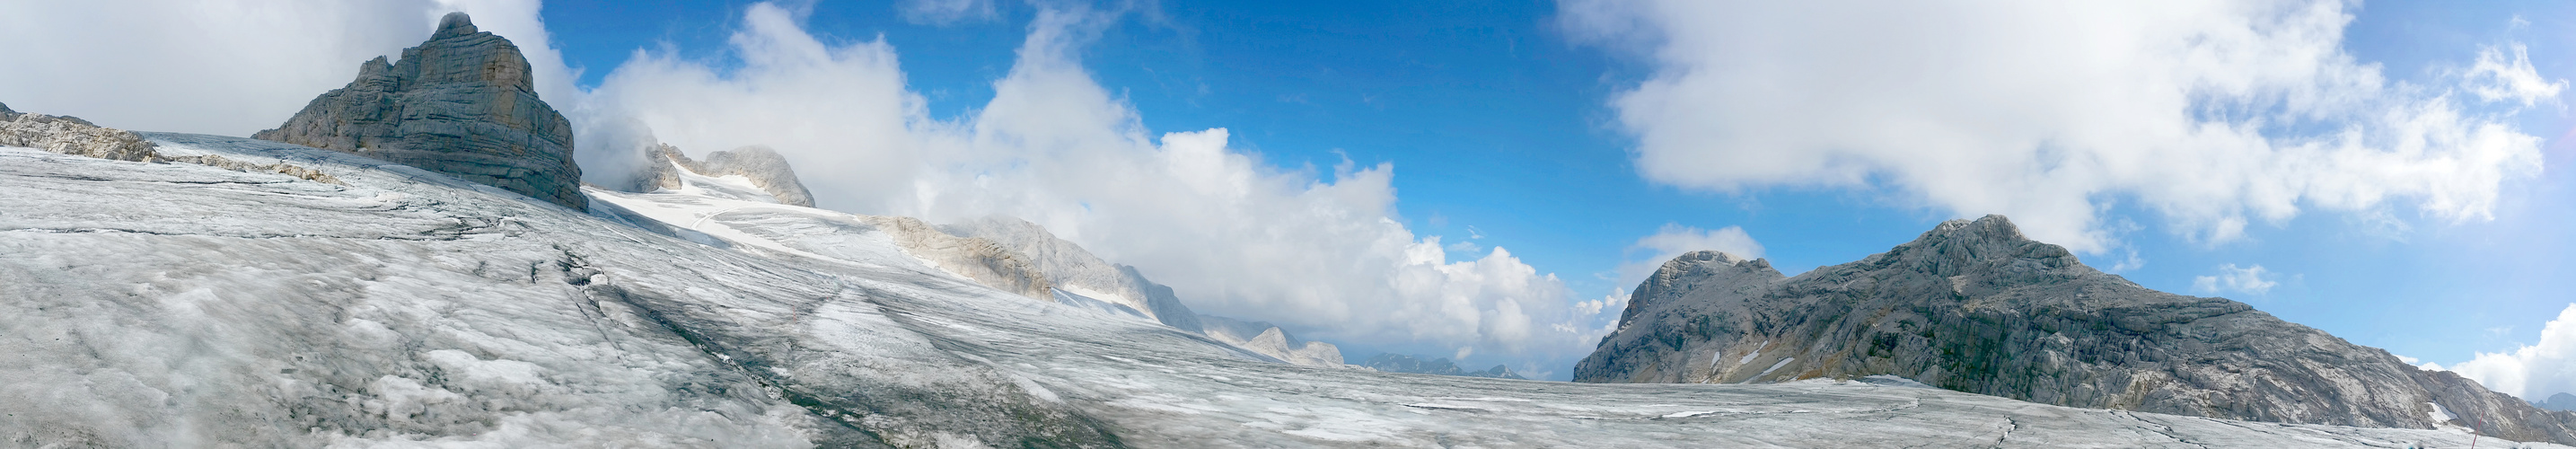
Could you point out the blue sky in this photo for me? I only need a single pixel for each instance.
(1513, 125)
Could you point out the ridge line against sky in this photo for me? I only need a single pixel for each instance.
(2361, 168)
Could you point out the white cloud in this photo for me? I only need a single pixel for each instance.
(2232, 279)
(2495, 79)
(2531, 371)
(229, 67)
(1674, 240)
(2214, 114)
(1324, 253)
(2428, 366)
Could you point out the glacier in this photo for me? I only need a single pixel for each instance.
(182, 305)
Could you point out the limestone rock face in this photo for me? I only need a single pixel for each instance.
(763, 166)
(1974, 306)
(461, 104)
(71, 135)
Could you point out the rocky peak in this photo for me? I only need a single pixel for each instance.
(1987, 250)
(462, 103)
(1692, 270)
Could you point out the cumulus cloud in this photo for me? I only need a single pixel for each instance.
(1322, 251)
(2249, 280)
(1675, 239)
(2531, 371)
(2212, 114)
(229, 67)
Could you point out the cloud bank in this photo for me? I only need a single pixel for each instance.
(2533, 371)
(2213, 114)
(1322, 251)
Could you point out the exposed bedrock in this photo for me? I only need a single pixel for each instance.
(1974, 306)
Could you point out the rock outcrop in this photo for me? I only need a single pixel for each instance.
(462, 104)
(71, 135)
(980, 260)
(1974, 306)
(1078, 271)
(763, 166)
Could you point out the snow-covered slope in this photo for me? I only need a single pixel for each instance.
(150, 305)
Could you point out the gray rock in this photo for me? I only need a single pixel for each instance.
(1974, 306)
(762, 165)
(461, 104)
(71, 135)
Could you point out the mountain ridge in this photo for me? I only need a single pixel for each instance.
(1975, 306)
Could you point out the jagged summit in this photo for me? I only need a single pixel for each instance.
(1976, 306)
(462, 103)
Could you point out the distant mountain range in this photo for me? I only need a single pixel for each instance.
(1400, 363)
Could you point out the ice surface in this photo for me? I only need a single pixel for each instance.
(150, 305)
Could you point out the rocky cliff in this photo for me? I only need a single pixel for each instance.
(763, 166)
(1974, 306)
(461, 104)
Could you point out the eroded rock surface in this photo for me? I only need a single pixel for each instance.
(1974, 306)
(460, 104)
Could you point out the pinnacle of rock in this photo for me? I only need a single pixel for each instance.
(461, 103)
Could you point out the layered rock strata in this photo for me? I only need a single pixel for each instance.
(1974, 306)
(461, 104)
